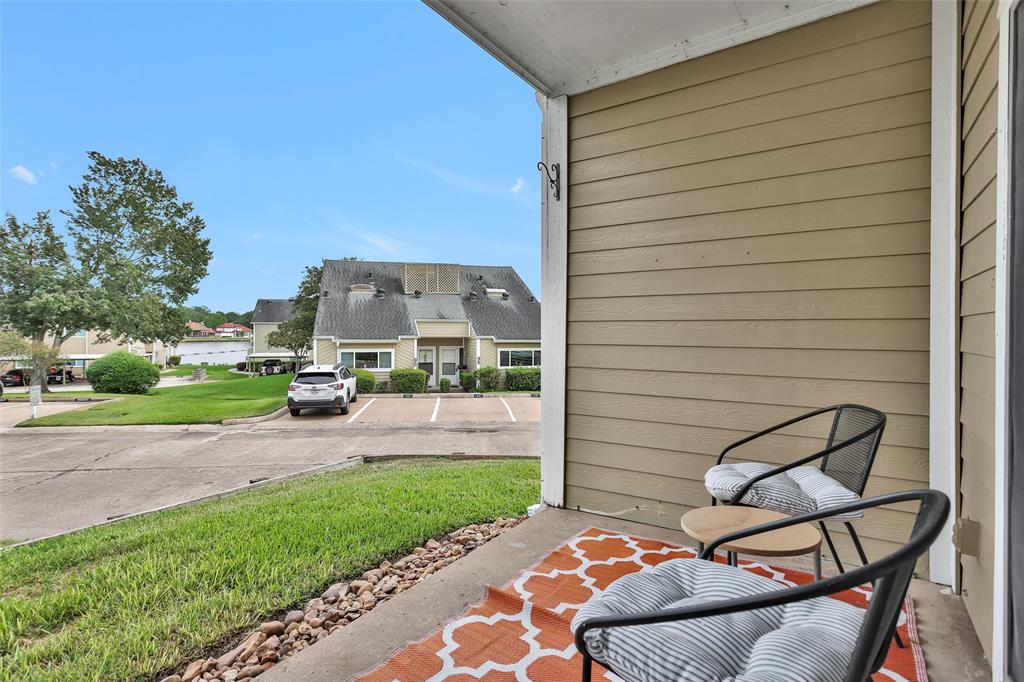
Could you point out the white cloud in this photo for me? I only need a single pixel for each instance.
(254, 236)
(448, 177)
(19, 172)
(372, 243)
(53, 165)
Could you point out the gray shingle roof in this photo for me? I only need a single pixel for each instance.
(272, 310)
(343, 314)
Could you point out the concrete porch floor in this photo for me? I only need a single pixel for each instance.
(951, 649)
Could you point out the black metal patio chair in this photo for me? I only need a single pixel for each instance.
(687, 619)
(794, 488)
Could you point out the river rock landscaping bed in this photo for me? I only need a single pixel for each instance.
(339, 605)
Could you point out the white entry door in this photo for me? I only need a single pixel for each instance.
(425, 361)
(450, 365)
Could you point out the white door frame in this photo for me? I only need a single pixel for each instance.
(440, 359)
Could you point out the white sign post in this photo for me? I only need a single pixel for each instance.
(35, 396)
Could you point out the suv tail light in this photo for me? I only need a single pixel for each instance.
(292, 387)
(335, 386)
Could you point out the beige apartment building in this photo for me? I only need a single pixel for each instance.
(85, 346)
(756, 208)
(439, 317)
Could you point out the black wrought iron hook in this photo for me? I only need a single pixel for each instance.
(553, 182)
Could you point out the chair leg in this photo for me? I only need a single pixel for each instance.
(856, 543)
(831, 547)
(587, 663)
(864, 560)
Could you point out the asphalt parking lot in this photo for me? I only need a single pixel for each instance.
(426, 410)
(106, 472)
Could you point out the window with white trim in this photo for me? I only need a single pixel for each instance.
(367, 359)
(519, 357)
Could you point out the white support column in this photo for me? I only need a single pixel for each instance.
(554, 260)
(1004, 184)
(944, 361)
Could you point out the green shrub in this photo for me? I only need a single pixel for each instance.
(467, 379)
(522, 379)
(122, 372)
(365, 381)
(408, 381)
(446, 384)
(487, 378)
(174, 361)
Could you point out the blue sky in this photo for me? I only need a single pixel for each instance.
(300, 131)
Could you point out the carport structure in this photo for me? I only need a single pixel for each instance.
(753, 208)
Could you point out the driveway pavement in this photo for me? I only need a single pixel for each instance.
(54, 480)
(12, 413)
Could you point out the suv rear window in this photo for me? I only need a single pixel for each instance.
(316, 378)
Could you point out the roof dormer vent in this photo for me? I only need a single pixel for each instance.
(496, 293)
(363, 289)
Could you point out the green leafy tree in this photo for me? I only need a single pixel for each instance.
(296, 335)
(40, 356)
(132, 255)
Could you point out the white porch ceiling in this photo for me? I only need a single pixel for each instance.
(564, 47)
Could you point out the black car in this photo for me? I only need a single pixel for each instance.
(53, 376)
(14, 377)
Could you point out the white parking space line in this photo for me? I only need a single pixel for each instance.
(363, 409)
(511, 416)
(437, 406)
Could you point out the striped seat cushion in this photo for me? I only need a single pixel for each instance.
(797, 491)
(809, 641)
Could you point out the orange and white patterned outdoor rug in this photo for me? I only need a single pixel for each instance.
(521, 633)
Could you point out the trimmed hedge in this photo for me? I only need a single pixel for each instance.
(467, 379)
(408, 381)
(488, 378)
(522, 379)
(174, 361)
(446, 384)
(365, 381)
(122, 372)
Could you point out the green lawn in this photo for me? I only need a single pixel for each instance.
(199, 404)
(216, 372)
(128, 600)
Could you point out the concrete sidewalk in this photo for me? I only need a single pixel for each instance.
(951, 648)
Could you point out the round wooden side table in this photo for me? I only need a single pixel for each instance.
(707, 524)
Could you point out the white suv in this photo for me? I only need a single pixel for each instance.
(322, 386)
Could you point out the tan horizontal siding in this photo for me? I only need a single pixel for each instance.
(876, 303)
(873, 209)
(979, 56)
(748, 239)
(442, 328)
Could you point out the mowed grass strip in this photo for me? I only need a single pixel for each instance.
(128, 600)
(199, 404)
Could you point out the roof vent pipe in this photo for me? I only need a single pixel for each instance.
(504, 296)
(472, 295)
(417, 293)
(380, 293)
(532, 299)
